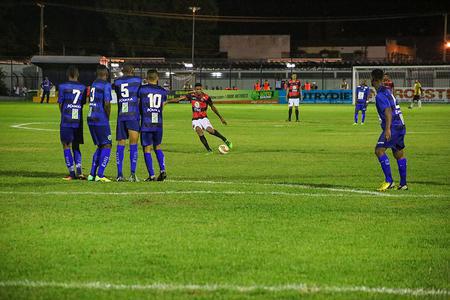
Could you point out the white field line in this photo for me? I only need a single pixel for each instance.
(311, 187)
(272, 193)
(300, 288)
(25, 126)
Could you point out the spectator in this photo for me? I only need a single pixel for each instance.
(46, 86)
(314, 86)
(307, 86)
(266, 85)
(257, 86)
(24, 91)
(166, 86)
(344, 84)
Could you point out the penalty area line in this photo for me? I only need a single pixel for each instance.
(297, 287)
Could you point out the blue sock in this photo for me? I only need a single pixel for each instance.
(119, 159)
(356, 117)
(149, 164)
(95, 162)
(104, 159)
(402, 170)
(77, 158)
(160, 157)
(133, 157)
(386, 167)
(363, 117)
(69, 161)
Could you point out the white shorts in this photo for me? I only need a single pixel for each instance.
(201, 123)
(294, 101)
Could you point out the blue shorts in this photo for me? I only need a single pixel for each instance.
(70, 135)
(151, 138)
(359, 107)
(123, 127)
(397, 141)
(101, 135)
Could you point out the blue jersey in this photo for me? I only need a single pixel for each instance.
(126, 88)
(384, 99)
(100, 94)
(362, 94)
(46, 85)
(71, 97)
(152, 98)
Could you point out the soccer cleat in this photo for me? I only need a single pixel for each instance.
(386, 186)
(102, 179)
(151, 178)
(297, 121)
(362, 123)
(355, 123)
(90, 178)
(133, 178)
(162, 176)
(229, 144)
(209, 152)
(120, 179)
(402, 187)
(68, 178)
(81, 177)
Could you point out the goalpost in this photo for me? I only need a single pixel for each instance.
(435, 81)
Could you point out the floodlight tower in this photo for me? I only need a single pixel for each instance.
(194, 9)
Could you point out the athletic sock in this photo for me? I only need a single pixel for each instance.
(133, 157)
(356, 117)
(77, 159)
(95, 162)
(363, 117)
(149, 164)
(69, 161)
(160, 157)
(104, 159)
(216, 133)
(119, 159)
(402, 170)
(296, 113)
(205, 142)
(290, 113)
(386, 167)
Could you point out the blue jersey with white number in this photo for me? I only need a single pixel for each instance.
(362, 94)
(99, 95)
(152, 98)
(126, 88)
(384, 99)
(71, 97)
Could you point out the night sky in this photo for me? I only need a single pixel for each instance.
(92, 31)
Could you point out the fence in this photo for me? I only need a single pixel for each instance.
(19, 78)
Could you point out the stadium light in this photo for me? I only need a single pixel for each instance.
(114, 65)
(169, 73)
(188, 65)
(447, 44)
(216, 74)
(194, 9)
(290, 66)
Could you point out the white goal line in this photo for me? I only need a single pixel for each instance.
(299, 287)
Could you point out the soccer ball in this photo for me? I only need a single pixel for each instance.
(223, 149)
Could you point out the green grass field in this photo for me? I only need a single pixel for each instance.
(291, 211)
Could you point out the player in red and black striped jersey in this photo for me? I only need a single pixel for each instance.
(387, 82)
(293, 94)
(200, 122)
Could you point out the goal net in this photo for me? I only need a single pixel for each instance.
(435, 81)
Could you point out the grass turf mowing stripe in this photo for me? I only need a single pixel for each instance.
(301, 288)
(273, 193)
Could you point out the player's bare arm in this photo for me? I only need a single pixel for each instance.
(107, 107)
(214, 109)
(388, 116)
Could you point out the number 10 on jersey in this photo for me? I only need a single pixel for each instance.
(154, 100)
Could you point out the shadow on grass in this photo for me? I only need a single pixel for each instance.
(30, 174)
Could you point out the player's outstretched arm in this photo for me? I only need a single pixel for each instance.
(214, 109)
(176, 100)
